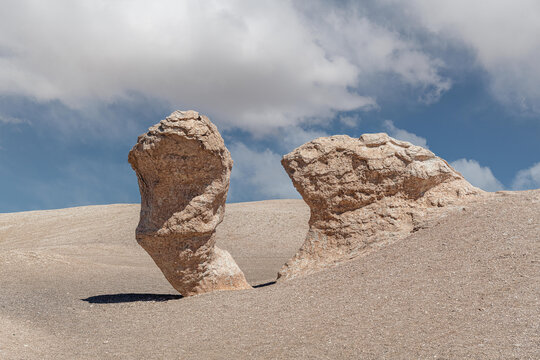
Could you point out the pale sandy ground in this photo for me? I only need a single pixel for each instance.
(74, 284)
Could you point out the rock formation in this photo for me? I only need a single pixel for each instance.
(365, 193)
(183, 168)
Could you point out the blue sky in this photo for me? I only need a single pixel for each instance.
(79, 81)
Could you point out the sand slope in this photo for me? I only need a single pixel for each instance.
(75, 285)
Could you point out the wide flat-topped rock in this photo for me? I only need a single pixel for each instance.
(365, 192)
(183, 168)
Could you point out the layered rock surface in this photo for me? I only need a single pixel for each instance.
(183, 169)
(364, 193)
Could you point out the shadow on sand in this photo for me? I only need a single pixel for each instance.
(130, 297)
(264, 285)
(133, 297)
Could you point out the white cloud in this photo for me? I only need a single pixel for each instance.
(255, 65)
(404, 135)
(374, 48)
(528, 178)
(295, 136)
(477, 175)
(10, 120)
(503, 34)
(350, 121)
(259, 175)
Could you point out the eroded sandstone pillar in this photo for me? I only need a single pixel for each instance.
(364, 193)
(183, 168)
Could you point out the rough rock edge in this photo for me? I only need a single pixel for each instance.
(183, 246)
(327, 243)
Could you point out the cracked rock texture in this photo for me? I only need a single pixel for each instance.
(365, 193)
(183, 168)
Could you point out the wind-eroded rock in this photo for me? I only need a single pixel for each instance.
(363, 193)
(183, 168)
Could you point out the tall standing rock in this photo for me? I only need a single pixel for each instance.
(364, 193)
(183, 168)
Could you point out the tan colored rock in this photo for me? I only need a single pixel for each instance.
(183, 168)
(364, 193)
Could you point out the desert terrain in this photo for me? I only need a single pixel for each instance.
(74, 284)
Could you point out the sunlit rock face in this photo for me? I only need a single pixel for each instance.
(364, 193)
(183, 168)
